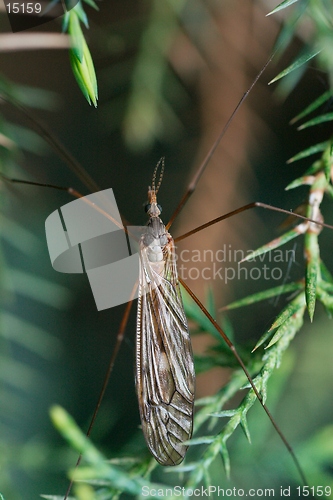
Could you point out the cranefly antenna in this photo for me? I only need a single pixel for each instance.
(159, 164)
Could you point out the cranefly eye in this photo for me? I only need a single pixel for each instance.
(147, 207)
(160, 208)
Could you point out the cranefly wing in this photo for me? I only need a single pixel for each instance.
(165, 378)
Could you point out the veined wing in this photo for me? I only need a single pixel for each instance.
(165, 378)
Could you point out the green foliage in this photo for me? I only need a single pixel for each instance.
(317, 283)
(282, 6)
(111, 477)
(306, 14)
(301, 61)
(80, 57)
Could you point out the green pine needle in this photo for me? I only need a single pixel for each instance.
(300, 61)
(282, 6)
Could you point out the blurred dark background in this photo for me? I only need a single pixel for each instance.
(206, 55)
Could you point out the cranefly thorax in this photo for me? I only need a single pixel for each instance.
(154, 239)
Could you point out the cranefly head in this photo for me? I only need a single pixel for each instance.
(152, 208)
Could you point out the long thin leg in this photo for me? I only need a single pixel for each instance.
(122, 327)
(244, 209)
(248, 376)
(55, 144)
(120, 338)
(193, 184)
(68, 190)
(72, 192)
